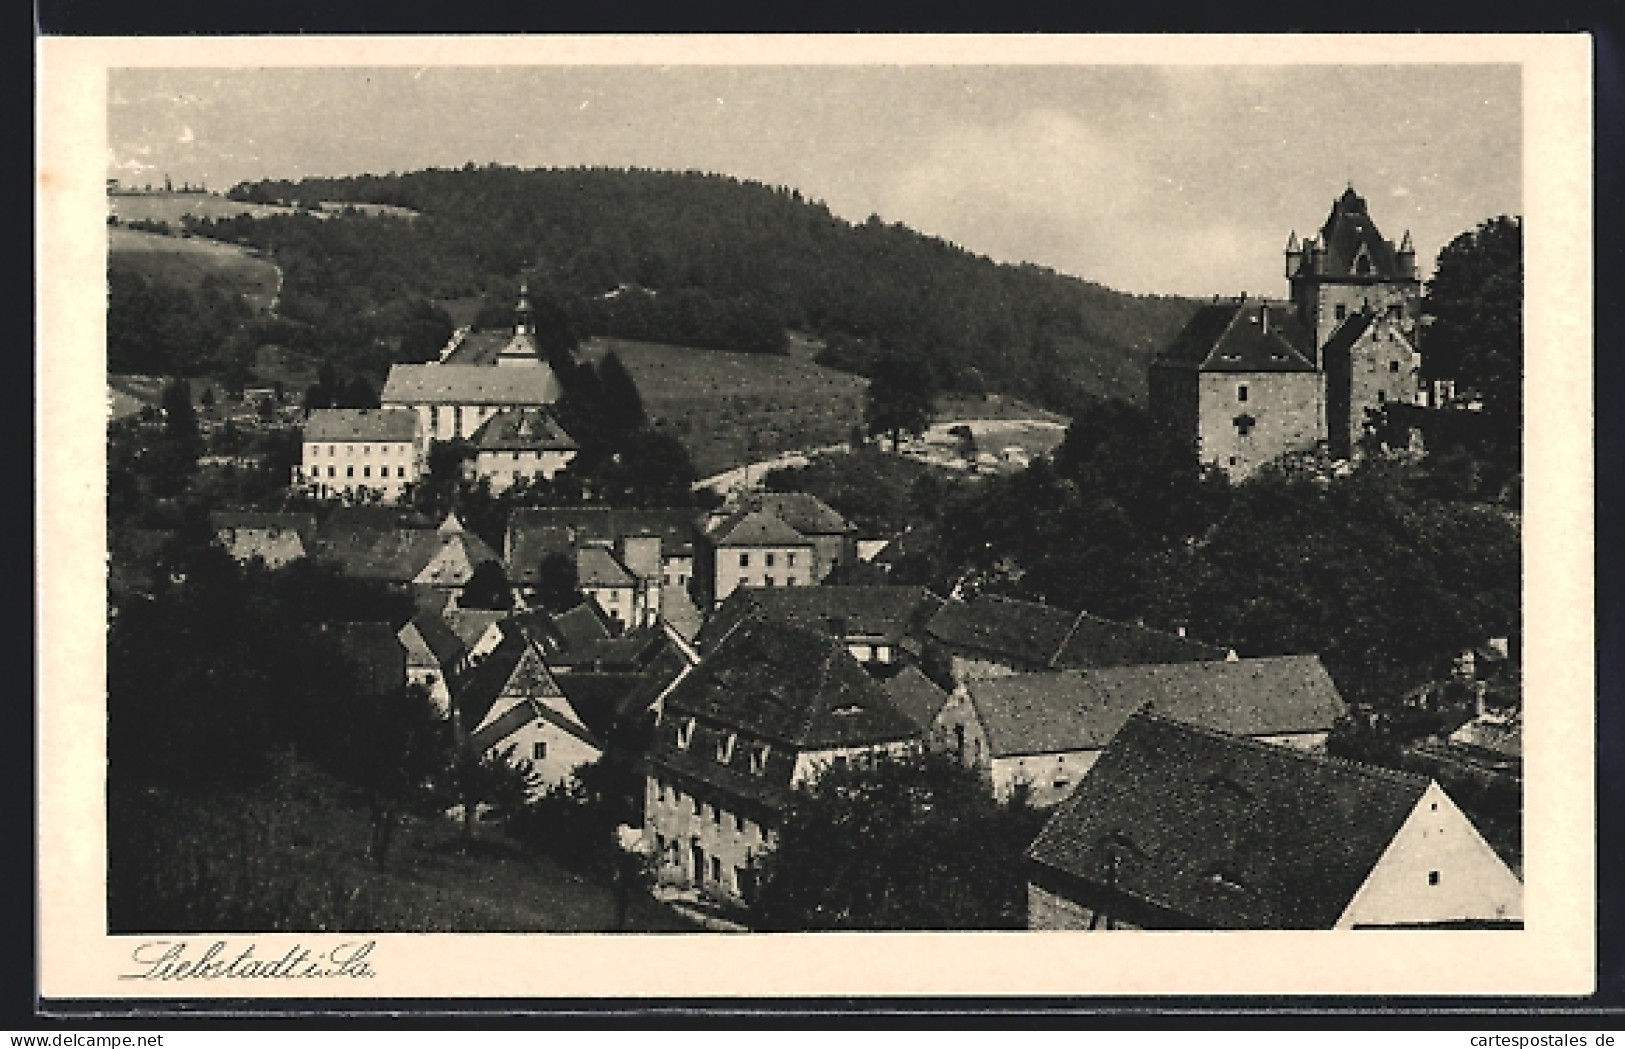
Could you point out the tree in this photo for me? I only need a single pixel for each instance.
(907, 843)
(1473, 329)
(622, 405)
(556, 582)
(487, 588)
(180, 421)
(901, 397)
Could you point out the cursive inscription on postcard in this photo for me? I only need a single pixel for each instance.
(220, 960)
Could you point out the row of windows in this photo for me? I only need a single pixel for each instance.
(767, 560)
(768, 580)
(349, 471)
(670, 795)
(366, 449)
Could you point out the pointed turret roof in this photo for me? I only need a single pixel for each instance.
(1349, 233)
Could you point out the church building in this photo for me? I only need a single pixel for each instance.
(1247, 381)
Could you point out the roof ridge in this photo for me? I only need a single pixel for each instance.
(1149, 712)
(1236, 310)
(1077, 621)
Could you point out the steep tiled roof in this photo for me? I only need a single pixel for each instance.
(753, 528)
(1027, 632)
(517, 717)
(394, 555)
(1248, 336)
(522, 430)
(1046, 636)
(884, 613)
(597, 567)
(477, 689)
(605, 524)
(1071, 710)
(581, 625)
(440, 643)
(370, 517)
(1223, 832)
(792, 686)
(1347, 334)
(470, 623)
(1097, 642)
(1348, 229)
(600, 699)
(916, 696)
(804, 512)
(361, 424)
(465, 384)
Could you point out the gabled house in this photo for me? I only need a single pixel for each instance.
(444, 558)
(605, 582)
(991, 636)
(880, 625)
(1181, 827)
(834, 540)
(749, 548)
(520, 444)
(654, 547)
(768, 709)
(507, 698)
(1043, 731)
(434, 656)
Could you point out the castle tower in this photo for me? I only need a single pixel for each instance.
(1349, 268)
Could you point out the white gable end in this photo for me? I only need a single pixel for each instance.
(1438, 868)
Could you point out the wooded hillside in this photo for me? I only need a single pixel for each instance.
(703, 260)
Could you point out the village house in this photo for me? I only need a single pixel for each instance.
(768, 709)
(442, 559)
(520, 444)
(1043, 731)
(991, 636)
(435, 655)
(508, 698)
(652, 551)
(273, 538)
(1248, 381)
(749, 548)
(880, 625)
(1182, 827)
(360, 454)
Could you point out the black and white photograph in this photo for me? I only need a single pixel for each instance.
(749, 497)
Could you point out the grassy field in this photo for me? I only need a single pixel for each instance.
(733, 408)
(730, 409)
(173, 207)
(295, 859)
(187, 260)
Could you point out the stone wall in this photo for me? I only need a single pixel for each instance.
(1249, 418)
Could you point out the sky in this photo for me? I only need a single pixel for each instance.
(1153, 179)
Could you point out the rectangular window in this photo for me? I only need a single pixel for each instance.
(716, 815)
(696, 805)
(769, 560)
(349, 471)
(1393, 366)
(400, 471)
(1342, 311)
(538, 750)
(792, 581)
(744, 560)
(790, 560)
(767, 581)
(739, 823)
(349, 449)
(332, 471)
(366, 471)
(716, 870)
(366, 449)
(1433, 877)
(1241, 393)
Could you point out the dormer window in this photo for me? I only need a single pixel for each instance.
(758, 759)
(1341, 311)
(847, 711)
(685, 734)
(725, 748)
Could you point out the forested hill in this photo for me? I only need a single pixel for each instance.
(707, 260)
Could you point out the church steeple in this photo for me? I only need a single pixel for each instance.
(522, 321)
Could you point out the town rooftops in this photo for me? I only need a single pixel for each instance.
(882, 614)
(1223, 832)
(1242, 336)
(597, 568)
(522, 430)
(361, 424)
(535, 532)
(303, 525)
(1047, 636)
(804, 512)
(1073, 710)
(789, 685)
(431, 642)
(916, 696)
(756, 528)
(470, 384)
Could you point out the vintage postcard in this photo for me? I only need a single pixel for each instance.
(788, 516)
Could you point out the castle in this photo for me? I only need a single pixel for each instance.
(1248, 381)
